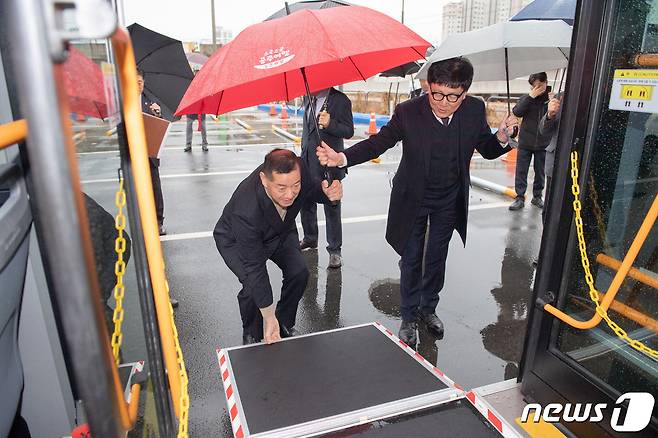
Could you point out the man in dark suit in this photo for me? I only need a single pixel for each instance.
(532, 145)
(439, 132)
(154, 109)
(258, 224)
(335, 121)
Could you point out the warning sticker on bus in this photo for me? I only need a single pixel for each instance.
(634, 90)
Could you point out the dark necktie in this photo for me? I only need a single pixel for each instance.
(445, 120)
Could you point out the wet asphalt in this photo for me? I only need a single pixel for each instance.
(484, 303)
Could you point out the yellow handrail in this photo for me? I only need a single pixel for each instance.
(634, 273)
(127, 72)
(12, 132)
(625, 267)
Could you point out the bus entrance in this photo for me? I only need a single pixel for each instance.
(573, 354)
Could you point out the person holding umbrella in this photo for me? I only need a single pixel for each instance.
(532, 144)
(335, 123)
(153, 108)
(201, 119)
(258, 224)
(440, 130)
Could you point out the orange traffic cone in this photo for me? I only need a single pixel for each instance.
(372, 127)
(272, 110)
(284, 111)
(510, 157)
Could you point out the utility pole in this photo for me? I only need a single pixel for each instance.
(402, 21)
(214, 30)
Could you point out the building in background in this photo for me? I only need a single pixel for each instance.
(466, 15)
(453, 19)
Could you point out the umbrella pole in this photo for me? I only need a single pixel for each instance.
(509, 106)
(564, 71)
(315, 119)
(509, 110)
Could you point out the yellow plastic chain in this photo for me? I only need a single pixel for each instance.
(184, 399)
(119, 271)
(593, 293)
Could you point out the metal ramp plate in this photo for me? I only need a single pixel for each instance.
(327, 381)
(457, 418)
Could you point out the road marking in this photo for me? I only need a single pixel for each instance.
(237, 146)
(179, 175)
(349, 220)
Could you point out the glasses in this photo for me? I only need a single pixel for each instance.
(452, 98)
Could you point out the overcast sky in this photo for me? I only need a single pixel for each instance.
(190, 19)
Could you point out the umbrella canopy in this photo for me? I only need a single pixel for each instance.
(401, 70)
(277, 59)
(167, 74)
(196, 60)
(548, 10)
(83, 81)
(307, 4)
(532, 46)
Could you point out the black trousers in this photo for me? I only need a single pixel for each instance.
(157, 188)
(288, 257)
(523, 158)
(309, 215)
(421, 278)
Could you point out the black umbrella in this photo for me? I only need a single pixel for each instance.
(167, 73)
(306, 4)
(401, 70)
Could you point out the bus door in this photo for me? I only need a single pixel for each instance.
(592, 338)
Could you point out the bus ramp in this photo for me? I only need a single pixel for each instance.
(353, 381)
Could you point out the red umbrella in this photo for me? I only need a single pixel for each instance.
(83, 80)
(307, 51)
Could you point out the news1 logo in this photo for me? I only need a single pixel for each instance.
(638, 413)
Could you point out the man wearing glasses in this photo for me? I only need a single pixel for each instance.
(439, 133)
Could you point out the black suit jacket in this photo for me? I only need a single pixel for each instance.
(341, 126)
(251, 225)
(409, 124)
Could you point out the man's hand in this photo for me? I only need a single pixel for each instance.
(538, 90)
(506, 128)
(324, 119)
(327, 156)
(271, 332)
(334, 191)
(553, 108)
(155, 108)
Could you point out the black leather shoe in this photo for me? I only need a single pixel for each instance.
(187, 149)
(286, 332)
(537, 202)
(408, 333)
(248, 338)
(518, 204)
(433, 324)
(335, 261)
(303, 244)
